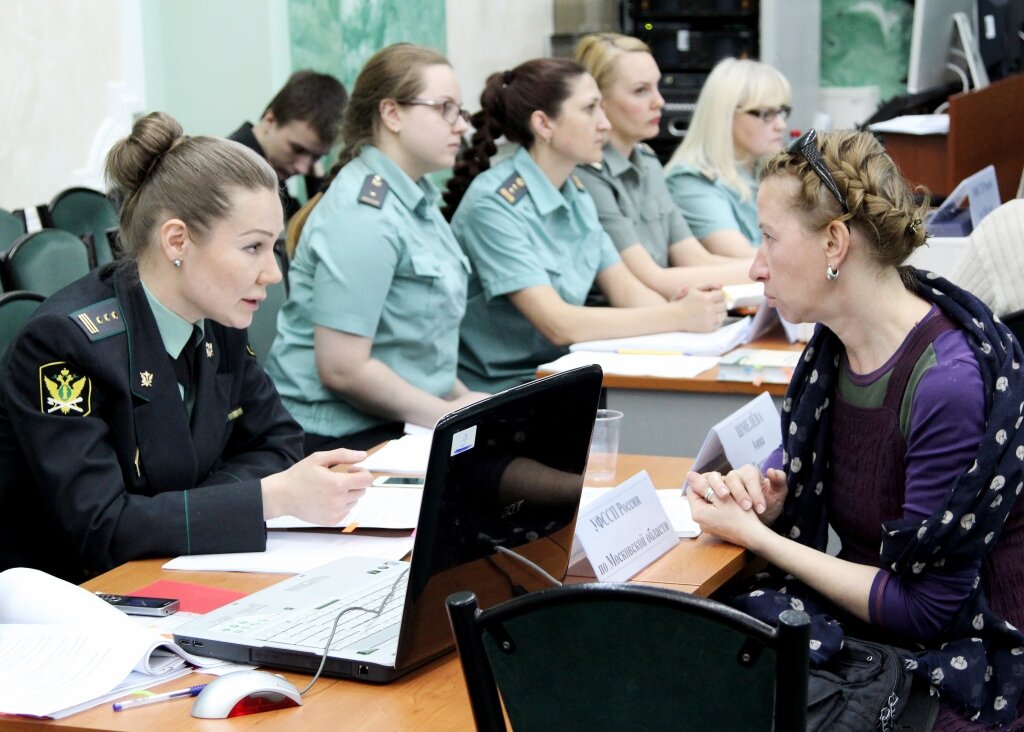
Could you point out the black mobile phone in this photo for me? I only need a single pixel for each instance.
(134, 605)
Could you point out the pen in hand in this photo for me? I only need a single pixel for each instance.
(154, 698)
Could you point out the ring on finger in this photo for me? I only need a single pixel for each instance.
(709, 494)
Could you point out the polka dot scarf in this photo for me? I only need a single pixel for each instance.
(980, 667)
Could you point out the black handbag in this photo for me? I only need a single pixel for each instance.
(865, 687)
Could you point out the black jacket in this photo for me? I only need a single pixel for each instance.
(289, 203)
(98, 463)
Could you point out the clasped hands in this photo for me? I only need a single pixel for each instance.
(739, 505)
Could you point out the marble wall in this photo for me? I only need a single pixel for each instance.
(337, 36)
(866, 42)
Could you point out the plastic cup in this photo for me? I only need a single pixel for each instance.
(604, 447)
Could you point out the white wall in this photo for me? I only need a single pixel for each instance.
(62, 81)
(485, 36)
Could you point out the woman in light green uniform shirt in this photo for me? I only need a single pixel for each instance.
(740, 118)
(628, 186)
(368, 338)
(532, 233)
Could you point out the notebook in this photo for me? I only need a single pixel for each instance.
(500, 499)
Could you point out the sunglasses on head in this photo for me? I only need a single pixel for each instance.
(807, 145)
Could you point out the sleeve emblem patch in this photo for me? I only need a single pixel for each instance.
(63, 392)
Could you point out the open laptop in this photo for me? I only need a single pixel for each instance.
(499, 507)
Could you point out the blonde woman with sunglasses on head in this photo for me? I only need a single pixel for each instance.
(739, 119)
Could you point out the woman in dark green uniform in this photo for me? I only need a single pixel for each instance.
(134, 419)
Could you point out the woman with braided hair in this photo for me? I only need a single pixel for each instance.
(900, 430)
(533, 236)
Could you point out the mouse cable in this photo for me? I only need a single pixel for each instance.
(527, 563)
(334, 628)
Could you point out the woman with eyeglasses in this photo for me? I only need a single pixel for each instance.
(368, 338)
(740, 118)
(628, 185)
(532, 233)
(901, 431)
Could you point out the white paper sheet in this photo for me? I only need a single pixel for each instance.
(629, 364)
(291, 552)
(407, 455)
(380, 508)
(679, 343)
(914, 124)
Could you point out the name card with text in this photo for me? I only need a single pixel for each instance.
(625, 530)
(748, 435)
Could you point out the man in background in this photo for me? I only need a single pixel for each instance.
(298, 127)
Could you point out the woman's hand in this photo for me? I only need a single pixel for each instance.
(702, 309)
(765, 494)
(318, 488)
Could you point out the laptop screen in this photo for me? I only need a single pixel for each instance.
(506, 472)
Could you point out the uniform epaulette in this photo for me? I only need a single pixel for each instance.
(100, 320)
(646, 149)
(513, 189)
(374, 191)
(577, 182)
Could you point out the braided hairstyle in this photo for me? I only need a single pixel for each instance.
(508, 100)
(882, 206)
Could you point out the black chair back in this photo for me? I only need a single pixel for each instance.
(615, 656)
(15, 309)
(45, 261)
(87, 214)
(11, 229)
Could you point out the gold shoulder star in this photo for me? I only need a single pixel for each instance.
(147, 378)
(209, 350)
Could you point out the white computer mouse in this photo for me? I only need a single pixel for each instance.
(245, 692)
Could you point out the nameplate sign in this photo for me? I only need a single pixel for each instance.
(625, 530)
(748, 435)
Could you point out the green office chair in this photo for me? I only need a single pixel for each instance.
(87, 214)
(264, 322)
(11, 228)
(616, 657)
(15, 308)
(45, 261)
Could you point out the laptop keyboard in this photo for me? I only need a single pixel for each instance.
(312, 629)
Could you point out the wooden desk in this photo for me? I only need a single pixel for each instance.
(984, 129)
(672, 416)
(432, 698)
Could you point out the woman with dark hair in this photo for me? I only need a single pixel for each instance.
(901, 431)
(134, 419)
(533, 236)
(368, 338)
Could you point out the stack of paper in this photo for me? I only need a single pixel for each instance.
(379, 508)
(291, 552)
(634, 364)
(758, 365)
(407, 455)
(720, 341)
(62, 649)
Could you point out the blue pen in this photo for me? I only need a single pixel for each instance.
(154, 698)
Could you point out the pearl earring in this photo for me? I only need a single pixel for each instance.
(177, 263)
